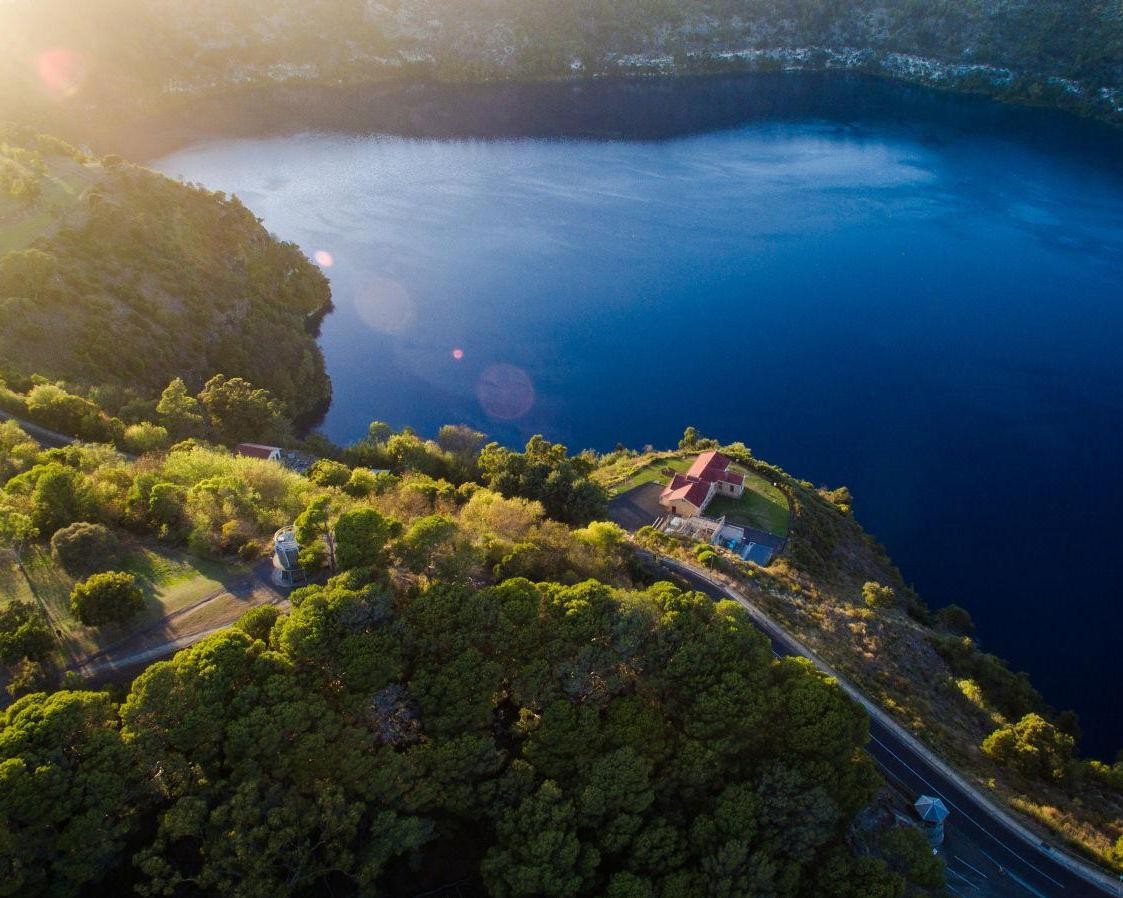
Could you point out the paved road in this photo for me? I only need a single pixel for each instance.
(1012, 862)
(51, 439)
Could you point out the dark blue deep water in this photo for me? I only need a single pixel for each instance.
(917, 295)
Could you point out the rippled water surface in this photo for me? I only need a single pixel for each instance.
(915, 295)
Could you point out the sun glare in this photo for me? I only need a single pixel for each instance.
(61, 72)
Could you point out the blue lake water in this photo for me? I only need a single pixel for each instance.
(916, 295)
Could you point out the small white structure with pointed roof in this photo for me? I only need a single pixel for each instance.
(286, 565)
(932, 812)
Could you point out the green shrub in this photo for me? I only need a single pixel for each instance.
(27, 676)
(143, 438)
(956, 620)
(1117, 853)
(23, 634)
(907, 851)
(1032, 746)
(877, 596)
(109, 598)
(1011, 693)
(83, 548)
(361, 536)
(326, 472)
(259, 621)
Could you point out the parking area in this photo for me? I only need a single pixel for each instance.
(637, 508)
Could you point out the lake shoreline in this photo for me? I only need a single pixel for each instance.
(98, 120)
(784, 178)
(155, 129)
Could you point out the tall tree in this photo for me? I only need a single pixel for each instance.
(109, 598)
(361, 536)
(179, 410)
(16, 528)
(240, 411)
(57, 499)
(71, 793)
(313, 527)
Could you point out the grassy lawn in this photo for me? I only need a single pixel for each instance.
(171, 581)
(762, 506)
(628, 473)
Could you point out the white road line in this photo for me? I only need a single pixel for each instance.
(1025, 885)
(961, 876)
(970, 867)
(780, 636)
(1009, 875)
(989, 858)
(964, 814)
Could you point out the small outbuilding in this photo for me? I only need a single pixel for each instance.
(258, 450)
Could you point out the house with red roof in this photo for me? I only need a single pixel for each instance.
(687, 495)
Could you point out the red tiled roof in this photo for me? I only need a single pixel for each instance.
(255, 450)
(694, 485)
(708, 463)
(695, 493)
(677, 483)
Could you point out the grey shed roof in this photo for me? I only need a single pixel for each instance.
(931, 809)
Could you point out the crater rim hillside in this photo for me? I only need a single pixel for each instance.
(115, 277)
(60, 59)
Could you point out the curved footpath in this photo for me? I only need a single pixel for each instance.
(1017, 854)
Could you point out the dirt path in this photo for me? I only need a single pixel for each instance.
(183, 627)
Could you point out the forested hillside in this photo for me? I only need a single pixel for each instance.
(554, 740)
(480, 696)
(70, 55)
(492, 686)
(114, 276)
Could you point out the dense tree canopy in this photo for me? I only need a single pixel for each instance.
(566, 740)
(546, 473)
(70, 793)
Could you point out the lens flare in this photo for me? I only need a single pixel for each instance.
(385, 306)
(505, 392)
(61, 71)
(323, 258)
(458, 353)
